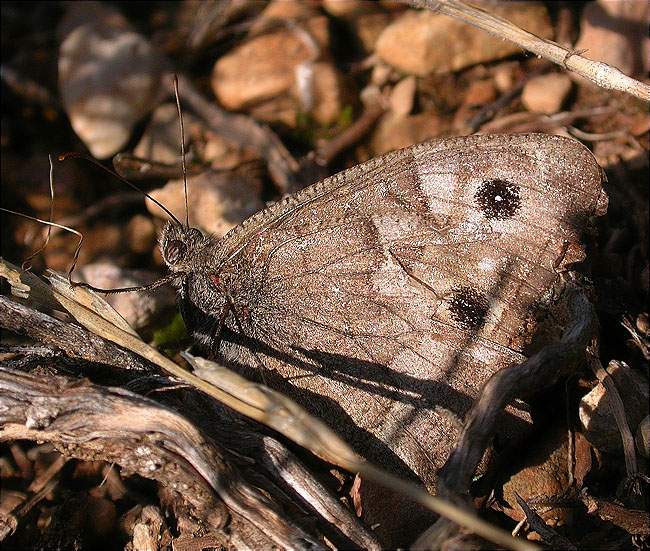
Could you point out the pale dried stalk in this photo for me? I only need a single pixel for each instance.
(599, 73)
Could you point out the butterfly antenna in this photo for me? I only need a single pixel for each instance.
(180, 120)
(75, 155)
(27, 264)
(51, 224)
(150, 286)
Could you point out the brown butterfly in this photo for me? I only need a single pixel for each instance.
(383, 297)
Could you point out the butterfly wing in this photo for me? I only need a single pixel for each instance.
(388, 294)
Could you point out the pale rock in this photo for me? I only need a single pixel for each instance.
(402, 97)
(366, 18)
(222, 154)
(217, 201)
(596, 413)
(347, 8)
(371, 95)
(423, 42)
(138, 309)
(109, 76)
(277, 75)
(293, 10)
(395, 132)
(505, 76)
(480, 92)
(328, 93)
(161, 140)
(616, 32)
(546, 93)
(381, 74)
(265, 66)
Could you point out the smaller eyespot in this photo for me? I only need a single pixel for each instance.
(175, 251)
(469, 307)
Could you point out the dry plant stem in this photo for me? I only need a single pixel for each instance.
(111, 203)
(243, 131)
(536, 523)
(40, 487)
(135, 168)
(92, 422)
(540, 371)
(283, 464)
(597, 72)
(327, 151)
(536, 122)
(633, 521)
(487, 112)
(618, 409)
(74, 340)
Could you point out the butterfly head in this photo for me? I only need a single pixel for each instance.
(179, 245)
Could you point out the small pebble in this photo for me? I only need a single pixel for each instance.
(546, 93)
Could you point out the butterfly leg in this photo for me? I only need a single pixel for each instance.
(218, 328)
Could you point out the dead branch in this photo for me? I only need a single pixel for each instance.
(74, 340)
(328, 150)
(632, 521)
(96, 423)
(618, 409)
(278, 460)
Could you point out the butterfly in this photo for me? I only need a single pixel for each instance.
(382, 298)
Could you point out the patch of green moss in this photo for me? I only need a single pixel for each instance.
(171, 335)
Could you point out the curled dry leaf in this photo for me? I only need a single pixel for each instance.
(597, 409)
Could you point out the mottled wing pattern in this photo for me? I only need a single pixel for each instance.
(389, 293)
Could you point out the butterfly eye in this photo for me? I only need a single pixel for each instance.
(194, 233)
(174, 251)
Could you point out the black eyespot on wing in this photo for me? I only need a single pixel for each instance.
(175, 251)
(498, 199)
(469, 307)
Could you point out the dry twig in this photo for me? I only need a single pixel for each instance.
(597, 72)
